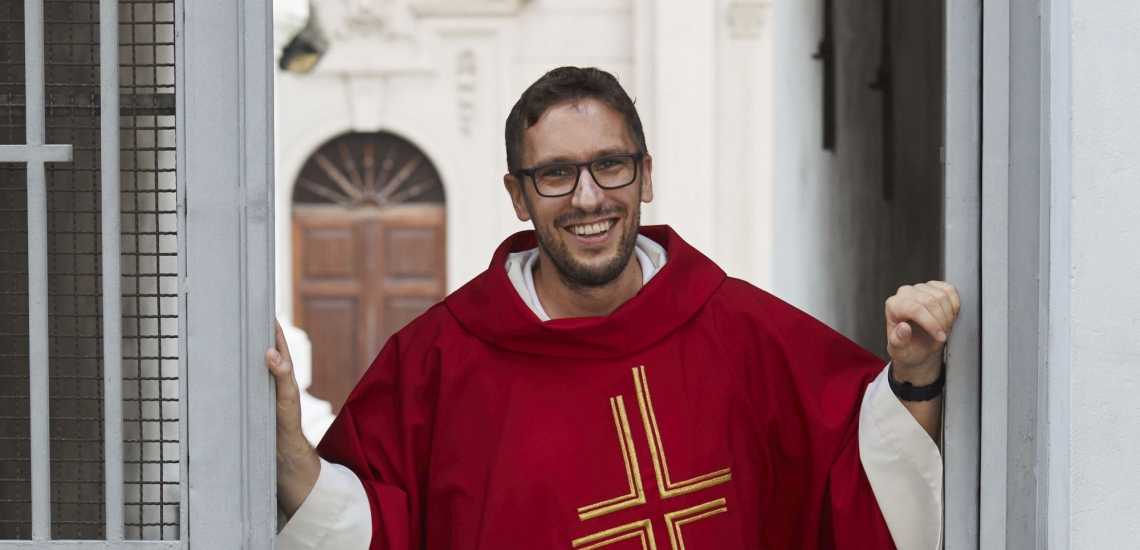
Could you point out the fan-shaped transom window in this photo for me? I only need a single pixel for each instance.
(368, 169)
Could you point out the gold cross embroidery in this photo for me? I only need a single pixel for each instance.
(666, 487)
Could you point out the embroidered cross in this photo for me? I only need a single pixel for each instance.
(666, 487)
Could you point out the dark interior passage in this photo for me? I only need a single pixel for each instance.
(859, 219)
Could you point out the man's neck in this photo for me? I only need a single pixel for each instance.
(562, 300)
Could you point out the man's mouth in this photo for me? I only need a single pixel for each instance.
(589, 229)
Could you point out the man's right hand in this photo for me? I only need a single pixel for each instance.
(298, 465)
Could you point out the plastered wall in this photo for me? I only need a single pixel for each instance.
(1105, 254)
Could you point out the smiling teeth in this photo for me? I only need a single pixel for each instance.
(592, 229)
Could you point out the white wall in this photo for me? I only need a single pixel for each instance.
(711, 132)
(1105, 254)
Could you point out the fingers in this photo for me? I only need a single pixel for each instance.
(910, 306)
(952, 292)
(940, 298)
(938, 302)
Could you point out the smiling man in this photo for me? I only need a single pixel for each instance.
(604, 384)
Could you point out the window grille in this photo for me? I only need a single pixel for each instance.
(71, 85)
(91, 392)
(15, 448)
(150, 271)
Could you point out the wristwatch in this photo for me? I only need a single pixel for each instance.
(909, 392)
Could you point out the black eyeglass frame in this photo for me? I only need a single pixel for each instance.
(530, 172)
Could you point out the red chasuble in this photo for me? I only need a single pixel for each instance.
(703, 414)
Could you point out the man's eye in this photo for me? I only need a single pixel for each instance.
(556, 173)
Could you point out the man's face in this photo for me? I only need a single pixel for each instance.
(588, 235)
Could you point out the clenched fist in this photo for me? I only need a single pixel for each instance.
(919, 321)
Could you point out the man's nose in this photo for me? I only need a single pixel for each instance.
(588, 196)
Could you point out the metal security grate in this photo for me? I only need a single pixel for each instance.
(15, 428)
(12, 73)
(75, 297)
(90, 390)
(151, 449)
(15, 450)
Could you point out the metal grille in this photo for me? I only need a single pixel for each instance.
(15, 430)
(71, 36)
(11, 72)
(72, 479)
(151, 450)
(15, 450)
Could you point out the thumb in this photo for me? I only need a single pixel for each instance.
(900, 336)
(281, 369)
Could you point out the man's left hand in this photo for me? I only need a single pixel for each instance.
(919, 321)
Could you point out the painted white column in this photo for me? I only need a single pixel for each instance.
(642, 85)
(685, 174)
(743, 187)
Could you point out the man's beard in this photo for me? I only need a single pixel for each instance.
(576, 274)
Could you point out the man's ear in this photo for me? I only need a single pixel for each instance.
(515, 189)
(647, 179)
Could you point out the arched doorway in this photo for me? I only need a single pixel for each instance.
(369, 251)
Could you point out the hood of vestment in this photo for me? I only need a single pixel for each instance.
(491, 309)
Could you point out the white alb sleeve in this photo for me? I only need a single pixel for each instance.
(904, 467)
(335, 515)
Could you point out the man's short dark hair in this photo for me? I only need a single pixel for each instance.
(568, 85)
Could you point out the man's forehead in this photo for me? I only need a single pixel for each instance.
(569, 130)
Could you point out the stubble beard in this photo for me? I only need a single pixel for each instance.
(579, 275)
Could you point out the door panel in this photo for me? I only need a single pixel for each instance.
(360, 275)
(331, 254)
(404, 253)
(333, 327)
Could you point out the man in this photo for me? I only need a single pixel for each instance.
(604, 384)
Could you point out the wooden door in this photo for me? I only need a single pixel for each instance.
(360, 276)
(369, 252)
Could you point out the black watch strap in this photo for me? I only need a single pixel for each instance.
(909, 392)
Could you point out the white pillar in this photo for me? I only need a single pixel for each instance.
(709, 125)
(684, 156)
(744, 141)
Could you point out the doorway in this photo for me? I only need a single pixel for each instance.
(369, 252)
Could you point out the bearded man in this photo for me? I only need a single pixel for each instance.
(604, 384)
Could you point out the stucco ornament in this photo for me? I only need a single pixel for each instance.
(745, 18)
(466, 78)
(389, 20)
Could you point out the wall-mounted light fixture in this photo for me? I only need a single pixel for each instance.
(306, 48)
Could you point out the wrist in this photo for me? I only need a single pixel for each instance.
(296, 455)
(910, 392)
(917, 375)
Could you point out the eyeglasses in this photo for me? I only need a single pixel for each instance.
(561, 178)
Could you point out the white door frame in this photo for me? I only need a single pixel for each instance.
(1007, 189)
(225, 106)
(962, 266)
